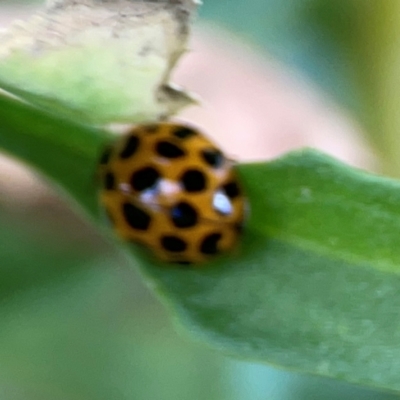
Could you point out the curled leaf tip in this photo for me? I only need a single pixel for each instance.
(103, 62)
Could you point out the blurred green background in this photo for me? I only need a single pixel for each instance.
(76, 319)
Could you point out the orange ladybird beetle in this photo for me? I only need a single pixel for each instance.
(168, 187)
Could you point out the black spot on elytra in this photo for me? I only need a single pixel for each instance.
(173, 244)
(231, 189)
(109, 181)
(193, 180)
(213, 157)
(144, 178)
(169, 150)
(136, 217)
(183, 132)
(183, 215)
(130, 147)
(209, 245)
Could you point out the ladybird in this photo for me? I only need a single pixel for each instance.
(168, 187)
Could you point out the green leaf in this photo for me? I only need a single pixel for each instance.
(314, 285)
(64, 151)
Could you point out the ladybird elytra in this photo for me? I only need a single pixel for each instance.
(170, 188)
